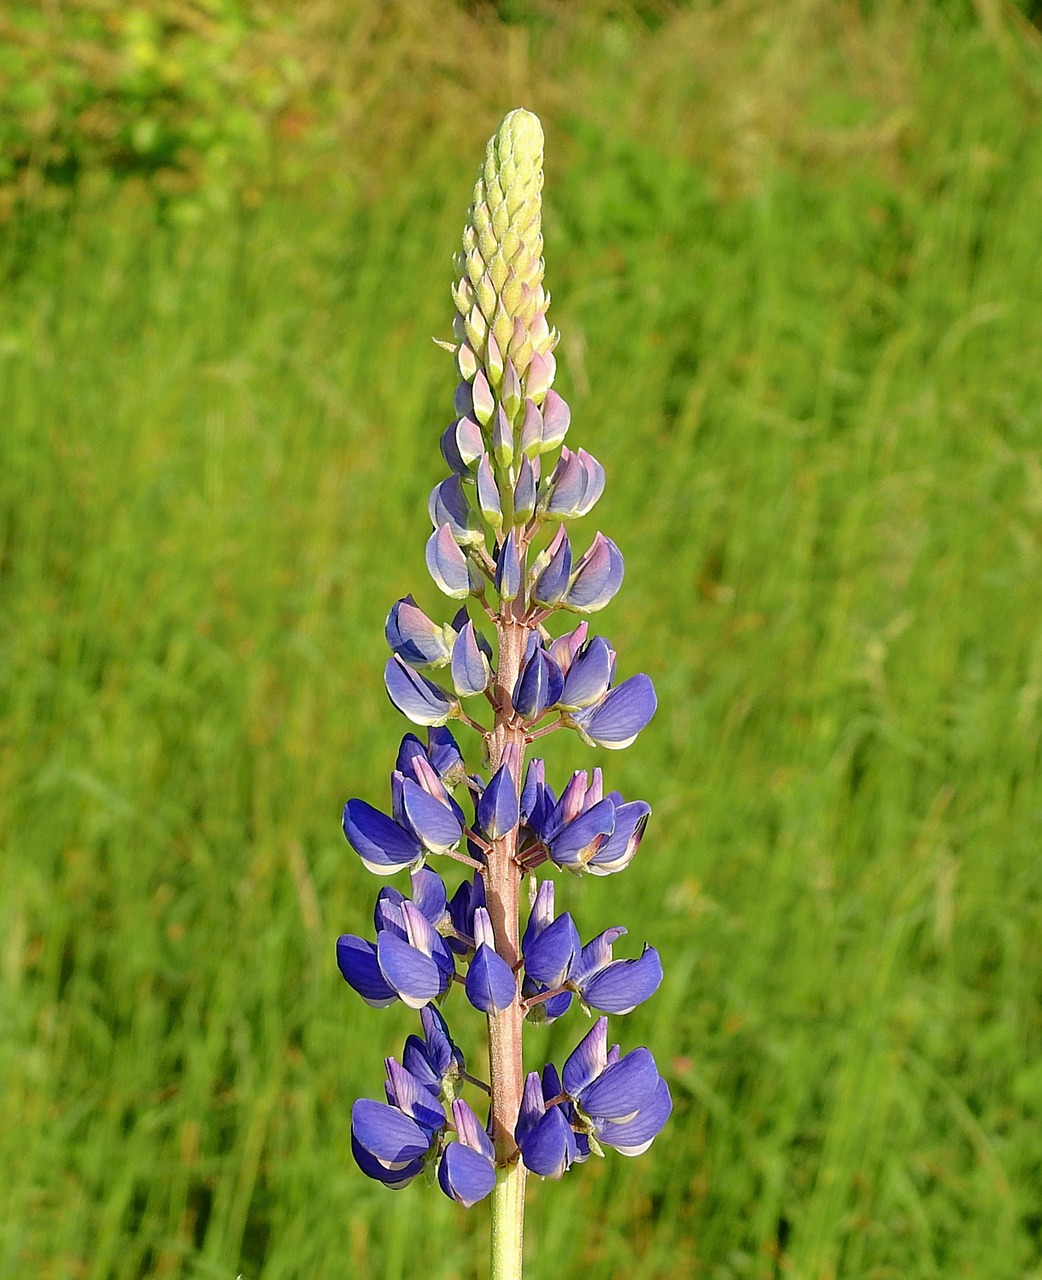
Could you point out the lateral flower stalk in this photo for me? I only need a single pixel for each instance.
(500, 550)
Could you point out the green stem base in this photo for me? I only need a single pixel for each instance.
(508, 1223)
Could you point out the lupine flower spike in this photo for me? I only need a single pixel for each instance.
(501, 548)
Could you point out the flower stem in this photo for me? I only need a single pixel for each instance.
(508, 1222)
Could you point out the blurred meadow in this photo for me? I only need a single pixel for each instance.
(796, 256)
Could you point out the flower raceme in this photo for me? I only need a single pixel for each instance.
(505, 669)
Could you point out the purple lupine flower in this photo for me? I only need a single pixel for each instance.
(500, 502)
(467, 1172)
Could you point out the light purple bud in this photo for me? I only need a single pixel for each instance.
(551, 586)
(488, 494)
(565, 648)
(597, 577)
(509, 578)
(463, 400)
(452, 572)
(532, 430)
(525, 492)
(497, 811)
(416, 697)
(538, 377)
(471, 672)
(483, 399)
(448, 505)
(510, 392)
(502, 438)
(589, 677)
(556, 419)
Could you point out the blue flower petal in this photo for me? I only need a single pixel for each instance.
(490, 986)
(622, 1089)
(549, 958)
(465, 1175)
(356, 959)
(633, 1137)
(497, 811)
(379, 841)
(387, 1134)
(624, 984)
(435, 823)
(549, 1147)
(416, 697)
(622, 714)
(416, 977)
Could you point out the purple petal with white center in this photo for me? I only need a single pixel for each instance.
(508, 580)
(414, 637)
(622, 1089)
(356, 960)
(616, 853)
(597, 577)
(549, 958)
(491, 985)
(387, 913)
(497, 811)
(586, 1061)
(393, 1179)
(589, 677)
(411, 749)
(633, 1137)
(470, 1130)
(413, 1098)
(471, 673)
(621, 716)
(465, 1175)
(389, 1136)
(416, 697)
(380, 842)
(623, 984)
(415, 976)
(549, 1147)
(573, 847)
(551, 585)
(434, 823)
(483, 931)
(489, 503)
(452, 572)
(556, 419)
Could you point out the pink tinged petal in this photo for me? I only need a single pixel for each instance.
(471, 672)
(633, 1137)
(556, 419)
(356, 960)
(508, 569)
(564, 499)
(565, 649)
(538, 377)
(483, 400)
(595, 481)
(531, 430)
(415, 976)
(391, 1138)
(552, 584)
(466, 362)
(497, 811)
(416, 697)
(621, 716)
(380, 842)
(488, 495)
(597, 577)
(470, 1130)
(435, 823)
(465, 1175)
(623, 984)
(622, 1089)
(449, 567)
(587, 1060)
(549, 1148)
(617, 852)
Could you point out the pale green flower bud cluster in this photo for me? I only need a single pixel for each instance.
(499, 295)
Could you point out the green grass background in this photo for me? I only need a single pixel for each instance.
(796, 257)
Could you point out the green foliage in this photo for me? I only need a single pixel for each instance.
(801, 339)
